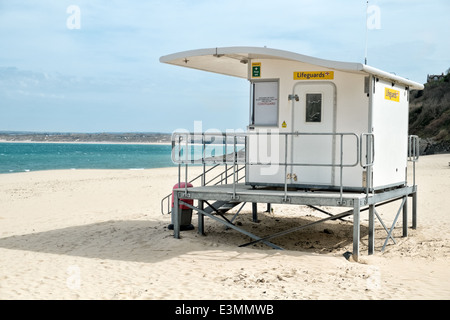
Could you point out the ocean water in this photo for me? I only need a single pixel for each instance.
(23, 157)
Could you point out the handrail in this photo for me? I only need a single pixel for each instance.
(370, 150)
(191, 181)
(220, 174)
(413, 148)
(363, 149)
(203, 174)
(192, 140)
(413, 153)
(189, 141)
(222, 159)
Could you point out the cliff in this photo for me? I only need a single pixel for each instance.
(429, 116)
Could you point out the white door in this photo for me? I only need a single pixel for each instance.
(314, 146)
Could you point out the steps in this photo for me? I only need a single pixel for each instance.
(220, 178)
(220, 207)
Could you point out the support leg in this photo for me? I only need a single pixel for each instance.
(405, 217)
(269, 208)
(356, 229)
(201, 219)
(414, 210)
(255, 211)
(371, 229)
(176, 216)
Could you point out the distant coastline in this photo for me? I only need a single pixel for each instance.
(105, 138)
(85, 142)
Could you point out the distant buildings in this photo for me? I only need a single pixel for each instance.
(434, 77)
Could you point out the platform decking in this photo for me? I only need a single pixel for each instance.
(353, 201)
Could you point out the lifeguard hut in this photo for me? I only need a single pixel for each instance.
(320, 132)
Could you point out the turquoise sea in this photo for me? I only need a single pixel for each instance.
(23, 157)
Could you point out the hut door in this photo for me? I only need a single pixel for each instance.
(314, 145)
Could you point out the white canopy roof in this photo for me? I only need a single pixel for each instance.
(233, 61)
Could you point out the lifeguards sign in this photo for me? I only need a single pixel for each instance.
(314, 75)
(392, 95)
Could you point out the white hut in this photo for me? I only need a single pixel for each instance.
(314, 125)
(333, 124)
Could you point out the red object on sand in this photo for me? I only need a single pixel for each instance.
(179, 186)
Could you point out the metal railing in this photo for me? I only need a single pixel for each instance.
(219, 178)
(191, 148)
(229, 149)
(413, 153)
(413, 148)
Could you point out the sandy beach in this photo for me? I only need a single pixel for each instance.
(100, 234)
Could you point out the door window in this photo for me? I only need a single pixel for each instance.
(313, 107)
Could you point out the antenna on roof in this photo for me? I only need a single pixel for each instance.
(365, 52)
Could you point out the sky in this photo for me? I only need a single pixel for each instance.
(93, 65)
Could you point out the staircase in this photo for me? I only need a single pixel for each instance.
(220, 178)
(221, 207)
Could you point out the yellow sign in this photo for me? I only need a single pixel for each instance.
(392, 95)
(284, 125)
(314, 75)
(256, 70)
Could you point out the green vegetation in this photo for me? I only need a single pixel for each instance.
(429, 116)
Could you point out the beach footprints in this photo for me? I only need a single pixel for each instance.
(248, 279)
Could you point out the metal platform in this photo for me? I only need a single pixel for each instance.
(241, 193)
(228, 192)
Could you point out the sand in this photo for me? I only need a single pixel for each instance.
(100, 234)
